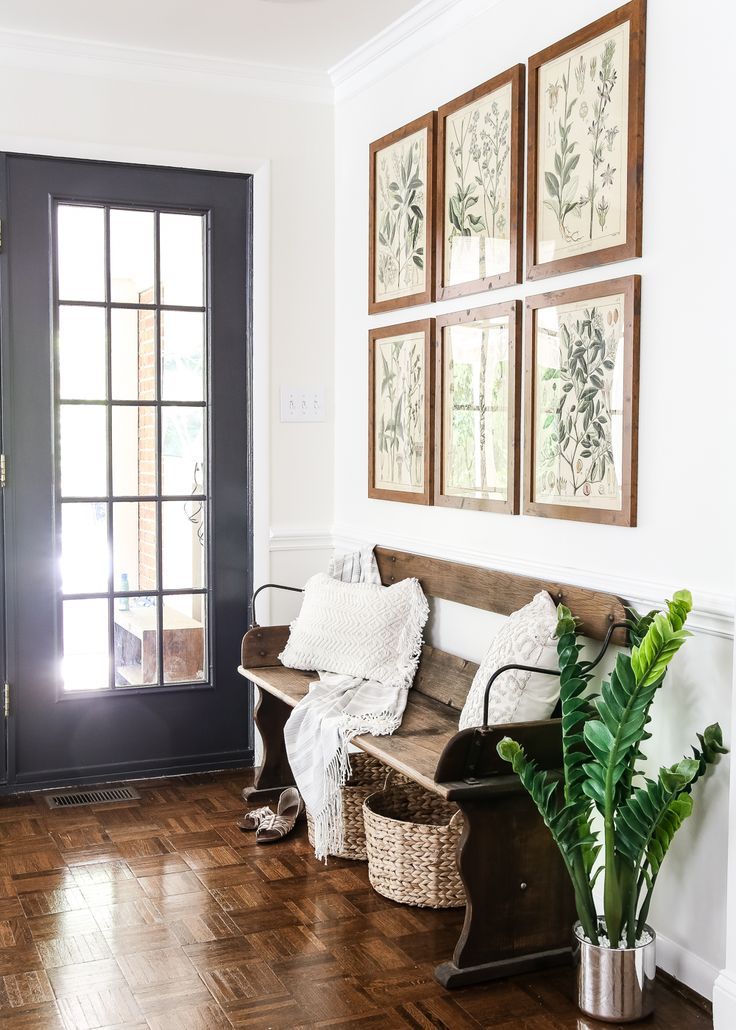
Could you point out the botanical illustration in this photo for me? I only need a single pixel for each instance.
(579, 402)
(582, 147)
(478, 188)
(400, 224)
(400, 393)
(476, 409)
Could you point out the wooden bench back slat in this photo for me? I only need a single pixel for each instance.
(444, 677)
(502, 592)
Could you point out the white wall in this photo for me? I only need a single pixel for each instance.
(686, 488)
(92, 108)
(124, 109)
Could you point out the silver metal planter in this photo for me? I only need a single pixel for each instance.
(615, 985)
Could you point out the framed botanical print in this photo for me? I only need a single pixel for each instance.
(400, 412)
(581, 403)
(477, 403)
(400, 252)
(586, 143)
(479, 187)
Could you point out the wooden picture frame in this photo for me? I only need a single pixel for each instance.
(569, 132)
(507, 90)
(381, 260)
(444, 495)
(409, 454)
(599, 328)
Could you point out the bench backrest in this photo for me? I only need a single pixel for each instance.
(446, 677)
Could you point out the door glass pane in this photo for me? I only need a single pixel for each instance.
(81, 252)
(182, 446)
(84, 548)
(184, 638)
(134, 545)
(82, 353)
(133, 354)
(131, 256)
(83, 450)
(182, 259)
(109, 381)
(182, 544)
(182, 355)
(133, 451)
(136, 634)
(85, 665)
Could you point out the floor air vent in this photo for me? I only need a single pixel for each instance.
(70, 799)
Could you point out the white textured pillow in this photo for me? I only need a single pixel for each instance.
(528, 637)
(359, 629)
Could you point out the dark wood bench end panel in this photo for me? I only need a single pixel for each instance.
(262, 645)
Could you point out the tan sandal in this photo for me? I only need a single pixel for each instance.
(276, 825)
(252, 820)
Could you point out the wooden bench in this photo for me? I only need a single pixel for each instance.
(520, 907)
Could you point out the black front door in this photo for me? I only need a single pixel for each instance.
(126, 362)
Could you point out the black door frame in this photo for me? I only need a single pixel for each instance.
(242, 756)
(5, 708)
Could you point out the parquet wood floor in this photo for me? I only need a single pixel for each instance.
(160, 914)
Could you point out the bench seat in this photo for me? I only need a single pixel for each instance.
(414, 749)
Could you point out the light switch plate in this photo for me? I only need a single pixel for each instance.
(302, 404)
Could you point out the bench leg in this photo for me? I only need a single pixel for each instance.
(274, 774)
(520, 905)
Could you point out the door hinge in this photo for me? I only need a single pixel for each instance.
(3, 471)
(6, 700)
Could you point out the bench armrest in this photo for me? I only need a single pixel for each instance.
(471, 754)
(262, 645)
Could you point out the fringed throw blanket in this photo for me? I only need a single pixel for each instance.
(366, 639)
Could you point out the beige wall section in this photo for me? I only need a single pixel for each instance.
(686, 485)
(218, 123)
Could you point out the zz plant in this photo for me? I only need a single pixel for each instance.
(602, 737)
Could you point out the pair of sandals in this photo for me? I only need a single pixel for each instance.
(273, 826)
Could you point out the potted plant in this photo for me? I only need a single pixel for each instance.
(606, 816)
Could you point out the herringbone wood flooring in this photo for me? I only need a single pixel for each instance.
(161, 914)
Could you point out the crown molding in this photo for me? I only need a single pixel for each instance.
(82, 57)
(421, 27)
(713, 614)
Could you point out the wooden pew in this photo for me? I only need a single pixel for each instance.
(520, 907)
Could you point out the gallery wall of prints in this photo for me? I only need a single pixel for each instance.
(686, 496)
(446, 221)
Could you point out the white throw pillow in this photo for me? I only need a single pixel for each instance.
(359, 629)
(528, 637)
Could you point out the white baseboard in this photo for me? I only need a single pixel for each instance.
(690, 969)
(724, 1001)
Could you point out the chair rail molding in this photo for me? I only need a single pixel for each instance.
(713, 614)
(82, 57)
(301, 538)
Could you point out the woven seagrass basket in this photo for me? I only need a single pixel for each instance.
(411, 838)
(367, 775)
